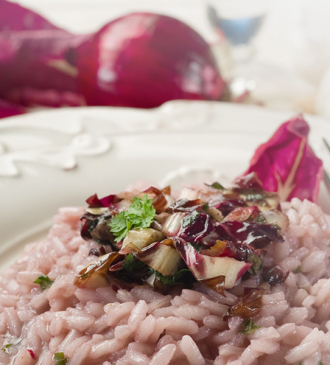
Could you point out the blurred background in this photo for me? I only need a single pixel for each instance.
(270, 53)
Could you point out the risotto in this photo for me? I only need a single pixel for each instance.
(60, 305)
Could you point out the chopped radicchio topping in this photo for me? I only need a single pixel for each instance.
(32, 354)
(248, 306)
(195, 227)
(274, 276)
(215, 239)
(94, 202)
(154, 239)
(185, 205)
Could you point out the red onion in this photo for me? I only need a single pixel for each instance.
(33, 65)
(142, 60)
(8, 109)
(139, 60)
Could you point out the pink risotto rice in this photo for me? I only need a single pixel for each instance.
(141, 327)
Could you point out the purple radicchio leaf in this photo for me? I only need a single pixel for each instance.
(199, 228)
(94, 202)
(227, 206)
(248, 182)
(274, 276)
(257, 235)
(286, 164)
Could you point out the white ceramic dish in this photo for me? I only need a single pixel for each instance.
(57, 158)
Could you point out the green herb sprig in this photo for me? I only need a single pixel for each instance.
(140, 214)
(249, 326)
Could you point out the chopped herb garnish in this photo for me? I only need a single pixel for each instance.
(44, 282)
(59, 358)
(120, 225)
(92, 225)
(261, 219)
(206, 206)
(294, 209)
(249, 326)
(254, 197)
(215, 185)
(183, 276)
(190, 219)
(297, 269)
(140, 214)
(195, 246)
(6, 347)
(301, 363)
(257, 263)
(132, 265)
(320, 363)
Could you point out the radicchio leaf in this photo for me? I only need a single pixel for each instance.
(199, 228)
(257, 235)
(274, 276)
(248, 306)
(243, 214)
(227, 206)
(248, 182)
(94, 202)
(287, 164)
(158, 201)
(217, 284)
(185, 205)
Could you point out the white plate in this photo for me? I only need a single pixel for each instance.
(114, 147)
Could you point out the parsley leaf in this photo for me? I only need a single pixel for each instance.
(249, 326)
(44, 282)
(190, 219)
(120, 225)
(215, 185)
(140, 214)
(59, 358)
